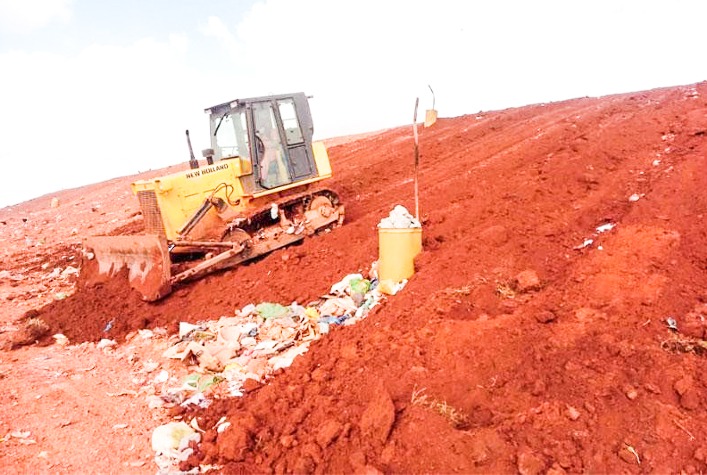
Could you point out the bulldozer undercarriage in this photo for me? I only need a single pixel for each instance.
(153, 265)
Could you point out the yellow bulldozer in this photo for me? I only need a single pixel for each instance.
(258, 190)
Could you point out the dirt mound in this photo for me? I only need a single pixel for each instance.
(572, 370)
(559, 241)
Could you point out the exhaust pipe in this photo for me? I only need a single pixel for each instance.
(193, 163)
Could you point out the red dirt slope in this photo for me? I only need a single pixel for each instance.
(578, 374)
(577, 371)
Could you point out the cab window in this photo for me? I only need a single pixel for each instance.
(288, 114)
(231, 134)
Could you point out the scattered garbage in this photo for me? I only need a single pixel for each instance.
(197, 399)
(672, 324)
(261, 339)
(255, 342)
(200, 382)
(605, 227)
(271, 310)
(162, 377)
(60, 339)
(70, 270)
(286, 359)
(222, 425)
(346, 284)
(106, 343)
(186, 329)
(21, 436)
(598, 230)
(146, 334)
(359, 285)
(399, 218)
(149, 366)
(123, 392)
(4, 274)
(586, 243)
(338, 306)
(171, 443)
(155, 402)
(634, 197)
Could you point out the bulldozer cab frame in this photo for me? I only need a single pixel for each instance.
(272, 133)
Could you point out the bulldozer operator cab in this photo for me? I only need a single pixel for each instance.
(271, 136)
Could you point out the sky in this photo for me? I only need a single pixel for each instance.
(92, 90)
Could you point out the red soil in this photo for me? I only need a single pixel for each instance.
(577, 371)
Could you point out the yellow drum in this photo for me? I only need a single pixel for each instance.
(397, 249)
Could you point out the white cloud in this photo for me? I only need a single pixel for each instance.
(365, 61)
(106, 112)
(215, 28)
(343, 54)
(25, 16)
(113, 110)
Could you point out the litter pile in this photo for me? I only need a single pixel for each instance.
(260, 339)
(399, 218)
(252, 345)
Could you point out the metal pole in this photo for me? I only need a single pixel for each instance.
(417, 161)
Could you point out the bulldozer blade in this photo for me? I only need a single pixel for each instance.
(144, 260)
